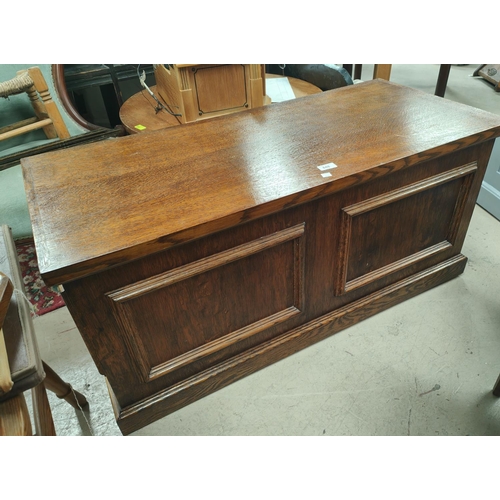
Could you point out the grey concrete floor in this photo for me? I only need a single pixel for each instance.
(423, 368)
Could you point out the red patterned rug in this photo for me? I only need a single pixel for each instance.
(43, 298)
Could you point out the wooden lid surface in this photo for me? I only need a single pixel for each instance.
(100, 204)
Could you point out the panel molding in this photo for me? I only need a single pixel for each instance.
(121, 296)
(221, 343)
(230, 78)
(396, 266)
(342, 285)
(410, 190)
(177, 396)
(205, 264)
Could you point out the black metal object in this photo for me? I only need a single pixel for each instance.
(325, 77)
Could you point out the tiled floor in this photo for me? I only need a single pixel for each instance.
(425, 367)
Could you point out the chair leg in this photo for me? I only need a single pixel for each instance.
(39, 108)
(47, 103)
(62, 389)
(42, 414)
(15, 417)
(382, 71)
(496, 389)
(442, 81)
(41, 113)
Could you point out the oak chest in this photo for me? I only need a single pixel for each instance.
(194, 256)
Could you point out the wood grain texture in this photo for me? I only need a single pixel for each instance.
(230, 170)
(6, 290)
(15, 417)
(176, 322)
(197, 255)
(204, 314)
(205, 265)
(42, 414)
(147, 411)
(6, 382)
(375, 238)
(169, 87)
(230, 82)
(10, 160)
(382, 71)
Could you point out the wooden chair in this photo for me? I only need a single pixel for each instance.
(384, 71)
(47, 115)
(21, 367)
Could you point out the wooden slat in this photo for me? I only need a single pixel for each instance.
(6, 290)
(26, 128)
(6, 382)
(382, 71)
(15, 126)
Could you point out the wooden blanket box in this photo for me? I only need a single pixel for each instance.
(194, 256)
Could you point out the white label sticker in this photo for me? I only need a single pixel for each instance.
(327, 166)
(326, 174)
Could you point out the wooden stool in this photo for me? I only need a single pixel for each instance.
(46, 113)
(21, 367)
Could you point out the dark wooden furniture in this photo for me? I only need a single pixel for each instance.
(442, 80)
(193, 256)
(384, 71)
(496, 387)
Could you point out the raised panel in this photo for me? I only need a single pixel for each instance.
(389, 232)
(221, 88)
(175, 318)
